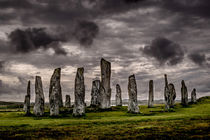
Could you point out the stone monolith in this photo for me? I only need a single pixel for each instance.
(39, 97)
(151, 94)
(95, 93)
(169, 94)
(55, 95)
(184, 94)
(132, 93)
(105, 90)
(118, 98)
(26, 106)
(79, 92)
(68, 101)
(193, 96)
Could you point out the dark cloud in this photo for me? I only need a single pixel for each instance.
(198, 58)
(85, 32)
(164, 51)
(2, 66)
(25, 41)
(191, 7)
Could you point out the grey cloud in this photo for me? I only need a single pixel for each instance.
(25, 41)
(85, 32)
(164, 51)
(198, 58)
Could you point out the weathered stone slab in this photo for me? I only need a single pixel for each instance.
(95, 93)
(105, 90)
(132, 93)
(79, 92)
(169, 94)
(26, 106)
(151, 94)
(55, 95)
(68, 101)
(39, 98)
(193, 96)
(118, 97)
(184, 94)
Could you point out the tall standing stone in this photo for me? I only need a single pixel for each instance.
(193, 96)
(169, 94)
(132, 93)
(105, 90)
(118, 98)
(68, 101)
(39, 99)
(55, 95)
(95, 93)
(151, 94)
(79, 92)
(26, 107)
(184, 93)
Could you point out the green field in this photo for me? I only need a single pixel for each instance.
(192, 122)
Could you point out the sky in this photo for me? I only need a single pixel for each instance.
(148, 38)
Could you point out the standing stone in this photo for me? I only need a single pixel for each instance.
(55, 95)
(151, 94)
(193, 96)
(169, 94)
(39, 99)
(184, 94)
(26, 107)
(132, 93)
(105, 90)
(118, 97)
(68, 101)
(95, 93)
(79, 92)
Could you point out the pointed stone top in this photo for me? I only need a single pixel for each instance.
(194, 89)
(183, 83)
(166, 80)
(38, 77)
(80, 70)
(103, 60)
(117, 85)
(132, 76)
(150, 80)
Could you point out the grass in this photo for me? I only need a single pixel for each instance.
(192, 122)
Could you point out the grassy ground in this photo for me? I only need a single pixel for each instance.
(192, 122)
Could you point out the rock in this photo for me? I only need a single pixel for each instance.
(105, 90)
(151, 94)
(55, 95)
(26, 106)
(68, 101)
(39, 99)
(193, 96)
(118, 97)
(95, 93)
(132, 93)
(79, 92)
(169, 94)
(184, 93)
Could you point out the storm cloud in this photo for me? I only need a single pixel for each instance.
(164, 51)
(85, 32)
(198, 58)
(25, 41)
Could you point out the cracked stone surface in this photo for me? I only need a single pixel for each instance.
(39, 97)
(79, 92)
(132, 93)
(26, 106)
(151, 94)
(118, 97)
(55, 93)
(184, 94)
(169, 94)
(105, 90)
(95, 93)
